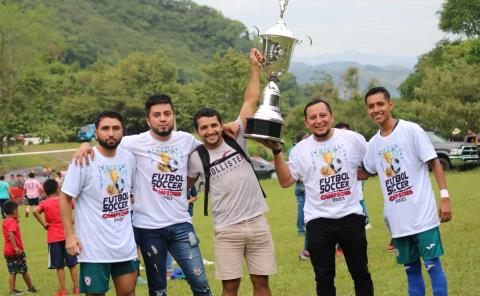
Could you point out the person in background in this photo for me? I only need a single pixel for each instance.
(33, 191)
(4, 194)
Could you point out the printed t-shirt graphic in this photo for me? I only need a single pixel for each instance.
(33, 188)
(102, 207)
(329, 173)
(234, 190)
(160, 179)
(399, 159)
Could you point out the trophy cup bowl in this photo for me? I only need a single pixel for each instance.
(278, 45)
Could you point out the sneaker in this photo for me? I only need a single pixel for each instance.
(338, 252)
(32, 290)
(304, 255)
(76, 291)
(26, 214)
(61, 292)
(141, 281)
(141, 267)
(16, 292)
(368, 226)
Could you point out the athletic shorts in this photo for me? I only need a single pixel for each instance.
(33, 201)
(16, 263)
(94, 277)
(426, 245)
(250, 239)
(58, 257)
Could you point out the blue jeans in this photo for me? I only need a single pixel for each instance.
(182, 242)
(300, 196)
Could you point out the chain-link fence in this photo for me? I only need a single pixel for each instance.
(42, 163)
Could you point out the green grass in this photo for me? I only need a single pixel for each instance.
(294, 277)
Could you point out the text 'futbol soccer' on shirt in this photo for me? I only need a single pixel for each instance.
(400, 161)
(160, 179)
(102, 207)
(329, 172)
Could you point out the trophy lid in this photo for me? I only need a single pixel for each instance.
(280, 29)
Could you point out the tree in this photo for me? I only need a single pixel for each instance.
(349, 82)
(461, 17)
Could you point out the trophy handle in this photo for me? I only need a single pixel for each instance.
(283, 7)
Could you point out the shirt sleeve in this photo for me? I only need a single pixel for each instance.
(241, 140)
(423, 145)
(195, 167)
(40, 207)
(369, 159)
(75, 179)
(360, 149)
(293, 163)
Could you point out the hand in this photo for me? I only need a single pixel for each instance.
(270, 144)
(256, 58)
(362, 175)
(17, 250)
(231, 129)
(82, 153)
(445, 211)
(46, 226)
(73, 246)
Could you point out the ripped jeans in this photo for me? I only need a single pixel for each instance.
(182, 242)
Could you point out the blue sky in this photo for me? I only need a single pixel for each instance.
(402, 28)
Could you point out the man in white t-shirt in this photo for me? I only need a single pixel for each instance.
(238, 205)
(103, 239)
(161, 220)
(327, 162)
(400, 153)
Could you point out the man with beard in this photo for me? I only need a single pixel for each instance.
(103, 239)
(401, 153)
(238, 205)
(327, 162)
(160, 213)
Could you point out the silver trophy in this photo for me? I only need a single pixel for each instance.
(278, 45)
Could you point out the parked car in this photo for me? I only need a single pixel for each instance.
(263, 168)
(454, 154)
(86, 133)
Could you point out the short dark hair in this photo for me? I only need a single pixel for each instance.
(299, 136)
(342, 125)
(376, 90)
(9, 206)
(108, 114)
(50, 186)
(314, 102)
(2, 177)
(19, 175)
(206, 112)
(31, 175)
(157, 99)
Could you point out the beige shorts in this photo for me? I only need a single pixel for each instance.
(250, 239)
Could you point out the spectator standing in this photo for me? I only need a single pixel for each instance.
(4, 194)
(32, 190)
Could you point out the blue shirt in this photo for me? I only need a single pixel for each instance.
(4, 190)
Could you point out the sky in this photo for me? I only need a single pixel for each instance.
(398, 28)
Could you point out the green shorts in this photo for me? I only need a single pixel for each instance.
(94, 277)
(411, 248)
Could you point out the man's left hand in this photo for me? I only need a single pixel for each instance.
(445, 211)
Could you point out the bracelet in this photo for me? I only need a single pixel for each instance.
(276, 151)
(444, 193)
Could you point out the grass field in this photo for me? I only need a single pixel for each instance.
(294, 277)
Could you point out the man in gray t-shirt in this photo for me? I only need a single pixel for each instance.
(241, 230)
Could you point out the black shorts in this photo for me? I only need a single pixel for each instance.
(33, 201)
(58, 256)
(16, 263)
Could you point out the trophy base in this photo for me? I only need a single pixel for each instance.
(263, 129)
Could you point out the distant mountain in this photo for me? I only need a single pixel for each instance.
(390, 76)
(361, 58)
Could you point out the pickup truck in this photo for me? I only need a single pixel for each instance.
(454, 154)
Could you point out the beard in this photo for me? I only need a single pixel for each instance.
(322, 136)
(109, 146)
(162, 133)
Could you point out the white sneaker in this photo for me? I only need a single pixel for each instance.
(368, 226)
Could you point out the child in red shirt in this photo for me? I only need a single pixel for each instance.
(57, 255)
(13, 250)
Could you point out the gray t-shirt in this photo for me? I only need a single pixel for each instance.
(235, 193)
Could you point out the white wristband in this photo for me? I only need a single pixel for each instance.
(444, 193)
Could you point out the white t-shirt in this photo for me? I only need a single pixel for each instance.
(235, 193)
(400, 161)
(102, 207)
(329, 173)
(160, 179)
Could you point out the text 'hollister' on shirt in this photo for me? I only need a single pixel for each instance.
(102, 207)
(160, 179)
(400, 161)
(329, 172)
(235, 193)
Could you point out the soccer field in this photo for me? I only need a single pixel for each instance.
(294, 277)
